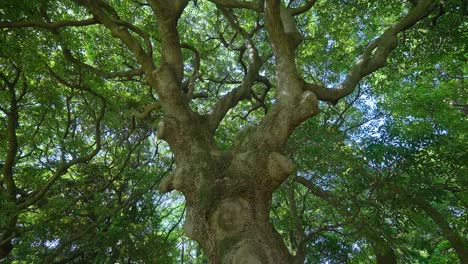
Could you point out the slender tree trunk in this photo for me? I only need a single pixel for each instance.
(455, 240)
(5, 249)
(384, 253)
(386, 257)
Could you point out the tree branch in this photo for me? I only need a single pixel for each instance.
(12, 148)
(49, 25)
(302, 9)
(315, 190)
(457, 241)
(189, 85)
(108, 75)
(119, 29)
(374, 56)
(63, 168)
(250, 5)
(243, 91)
(284, 37)
(168, 13)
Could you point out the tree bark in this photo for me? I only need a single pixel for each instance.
(228, 196)
(384, 254)
(5, 249)
(228, 193)
(387, 257)
(236, 231)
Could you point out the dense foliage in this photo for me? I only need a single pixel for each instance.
(380, 174)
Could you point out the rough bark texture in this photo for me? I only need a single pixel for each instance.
(229, 213)
(228, 196)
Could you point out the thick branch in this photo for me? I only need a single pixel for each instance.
(302, 9)
(168, 13)
(375, 54)
(108, 75)
(276, 30)
(49, 25)
(243, 91)
(250, 5)
(284, 37)
(119, 29)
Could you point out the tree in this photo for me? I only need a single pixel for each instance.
(215, 60)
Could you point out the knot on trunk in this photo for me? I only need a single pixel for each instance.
(308, 105)
(243, 164)
(167, 128)
(279, 168)
(177, 180)
(166, 184)
(246, 254)
(232, 216)
(161, 130)
(181, 178)
(189, 224)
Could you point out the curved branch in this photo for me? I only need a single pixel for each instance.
(34, 198)
(139, 31)
(457, 241)
(190, 84)
(374, 56)
(333, 201)
(243, 91)
(120, 31)
(108, 75)
(147, 110)
(315, 190)
(55, 26)
(302, 9)
(254, 6)
(49, 25)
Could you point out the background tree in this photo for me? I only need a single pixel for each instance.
(86, 86)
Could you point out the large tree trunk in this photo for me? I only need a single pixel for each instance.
(228, 196)
(228, 199)
(236, 231)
